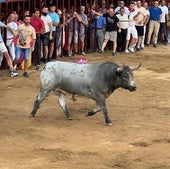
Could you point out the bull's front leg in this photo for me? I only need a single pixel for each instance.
(102, 104)
(93, 112)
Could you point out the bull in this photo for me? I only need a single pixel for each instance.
(96, 81)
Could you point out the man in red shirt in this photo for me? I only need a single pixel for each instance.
(39, 27)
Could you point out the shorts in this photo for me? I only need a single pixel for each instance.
(71, 37)
(25, 51)
(140, 30)
(112, 36)
(54, 36)
(82, 36)
(45, 38)
(3, 47)
(132, 31)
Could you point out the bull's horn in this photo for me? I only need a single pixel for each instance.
(136, 67)
(119, 69)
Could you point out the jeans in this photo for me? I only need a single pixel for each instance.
(163, 30)
(25, 51)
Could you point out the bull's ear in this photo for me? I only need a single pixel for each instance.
(119, 70)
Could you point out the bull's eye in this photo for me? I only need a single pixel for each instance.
(125, 76)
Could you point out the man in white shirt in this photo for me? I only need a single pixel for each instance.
(4, 51)
(11, 34)
(163, 21)
(47, 35)
(131, 32)
(122, 32)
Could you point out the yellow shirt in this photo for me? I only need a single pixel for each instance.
(26, 35)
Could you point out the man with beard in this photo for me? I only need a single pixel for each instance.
(26, 34)
(47, 35)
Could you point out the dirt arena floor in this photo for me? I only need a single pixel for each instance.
(138, 139)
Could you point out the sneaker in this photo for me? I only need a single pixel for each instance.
(99, 51)
(113, 53)
(49, 59)
(131, 49)
(154, 45)
(138, 48)
(13, 74)
(45, 60)
(126, 51)
(83, 53)
(25, 74)
(15, 67)
(70, 54)
(38, 67)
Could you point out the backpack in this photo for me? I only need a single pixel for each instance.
(22, 37)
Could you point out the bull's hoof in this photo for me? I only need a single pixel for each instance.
(109, 124)
(32, 115)
(69, 118)
(90, 113)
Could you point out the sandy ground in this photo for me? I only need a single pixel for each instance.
(138, 139)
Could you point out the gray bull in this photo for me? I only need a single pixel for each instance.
(96, 81)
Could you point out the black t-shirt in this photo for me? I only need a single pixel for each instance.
(111, 22)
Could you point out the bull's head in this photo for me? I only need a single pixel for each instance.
(125, 74)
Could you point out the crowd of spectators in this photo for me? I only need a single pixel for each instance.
(50, 33)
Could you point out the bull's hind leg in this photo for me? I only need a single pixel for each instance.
(38, 101)
(62, 103)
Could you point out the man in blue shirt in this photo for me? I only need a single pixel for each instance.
(154, 24)
(97, 31)
(55, 21)
(4, 51)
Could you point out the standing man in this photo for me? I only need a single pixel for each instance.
(98, 24)
(122, 31)
(163, 21)
(83, 23)
(132, 34)
(11, 34)
(47, 35)
(146, 21)
(154, 23)
(38, 24)
(121, 4)
(26, 35)
(111, 29)
(55, 22)
(4, 51)
(140, 23)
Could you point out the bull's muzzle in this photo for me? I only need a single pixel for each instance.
(132, 88)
